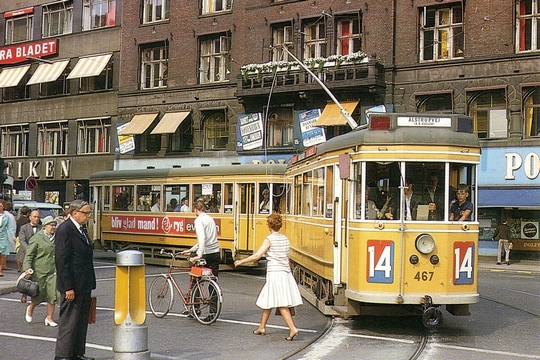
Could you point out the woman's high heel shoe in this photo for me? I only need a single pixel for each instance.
(50, 323)
(259, 332)
(292, 336)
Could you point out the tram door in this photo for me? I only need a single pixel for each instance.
(244, 223)
(94, 222)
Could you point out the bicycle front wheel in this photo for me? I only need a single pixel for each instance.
(160, 296)
(206, 301)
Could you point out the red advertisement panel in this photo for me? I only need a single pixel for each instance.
(18, 53)
(159, 225)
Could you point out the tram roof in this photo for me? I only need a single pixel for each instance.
(193, 172)
(407, 135)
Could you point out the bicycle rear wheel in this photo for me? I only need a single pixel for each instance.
(160, 296)
(206, 301)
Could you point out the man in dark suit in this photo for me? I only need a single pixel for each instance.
(75, 281)
(434, 194)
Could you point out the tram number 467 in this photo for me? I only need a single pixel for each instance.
(463, 262)
(380, 261)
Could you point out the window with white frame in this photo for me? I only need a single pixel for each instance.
(103, 81)
(314, 40)
(488, 108)
(214, 59)
(280, 127)
(94, 136)
(349, 39)
(282, 35)
(216, 130)
(154, 66)
(531, 112)
(98, 14)
(57, 19)
(214, 6)
(52, 138)
(528, 25)
(15, 140)
(155, 10)
(441, 33)
(19, 28)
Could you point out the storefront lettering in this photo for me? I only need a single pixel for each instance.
(49, 169)
(514, 161)
(35, 169)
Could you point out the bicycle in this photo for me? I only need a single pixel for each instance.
(203, 299)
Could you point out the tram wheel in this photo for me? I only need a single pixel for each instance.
(432, 317)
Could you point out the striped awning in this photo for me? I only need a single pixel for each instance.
(12, 76)
(89, 66)
(331, 114)
(170, 122)
(138, 124)
(48, 72)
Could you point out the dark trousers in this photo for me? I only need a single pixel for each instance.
(212, 262)
(72, 326)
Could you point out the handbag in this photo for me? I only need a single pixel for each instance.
(93, 309)
(27, 286)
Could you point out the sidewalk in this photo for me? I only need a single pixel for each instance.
(485, 262)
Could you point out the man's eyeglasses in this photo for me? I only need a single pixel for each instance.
(85, 212)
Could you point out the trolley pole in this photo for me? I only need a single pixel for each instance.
(130, 334)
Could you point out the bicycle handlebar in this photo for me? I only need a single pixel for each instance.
(198, 262)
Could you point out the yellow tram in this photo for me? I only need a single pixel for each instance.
(142, 209)
(370, 225)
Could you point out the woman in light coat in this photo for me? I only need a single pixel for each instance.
(40, 258)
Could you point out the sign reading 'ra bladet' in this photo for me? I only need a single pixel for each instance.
(18, 53)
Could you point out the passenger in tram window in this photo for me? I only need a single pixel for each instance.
(462, 209)
(183, 206)
(433, 192)
(433, 212)
(264, 206)
(156, 207)
(143, 204)
(172, 204)
(213, 206)
(411, 201)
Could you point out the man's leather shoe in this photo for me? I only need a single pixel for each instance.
(82, 357)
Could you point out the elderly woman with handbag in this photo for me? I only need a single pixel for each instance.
(40, 258)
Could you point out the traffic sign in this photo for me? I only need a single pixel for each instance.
(31, 183)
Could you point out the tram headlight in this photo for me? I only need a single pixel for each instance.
(425, 243)
(414, 259)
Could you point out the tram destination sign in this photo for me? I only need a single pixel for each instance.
(424, 121)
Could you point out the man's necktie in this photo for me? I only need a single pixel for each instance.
(84, 234)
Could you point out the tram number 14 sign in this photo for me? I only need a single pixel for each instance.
(380, 261)
(463, 262)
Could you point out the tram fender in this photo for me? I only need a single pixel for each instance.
(458, 309)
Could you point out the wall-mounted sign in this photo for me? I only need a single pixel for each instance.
(18, 53)
(529, 229)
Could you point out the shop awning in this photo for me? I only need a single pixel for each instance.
(170, 122)
(89, 66)
(48, 72)
(331, 114)
(139, 124)
(522, 197)
(12, 76)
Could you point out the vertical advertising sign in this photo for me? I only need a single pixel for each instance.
(125, 143)
(311, 135)
(250, 132)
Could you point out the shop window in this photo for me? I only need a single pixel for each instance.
(60, 86)
(98, 14)
(57, 19)
(155, 10)
(94, 136)
(182, 139)
(280, 128)
(441, 33)
(214, 6)
(314, 39)
(19, 28)
(531, 113)
(53, 138)
(216, 131)
(14, 140)
(103, 81)
(282, 35)
(349, 39)
(154, 67)
(528, 25)
(436, 103)
(489, 112)
(214, 59)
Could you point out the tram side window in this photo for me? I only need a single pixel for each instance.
(329, 191)
(210, 194)
(307, 198)
(297, 194)
(149, 197)
(228, 198)
(174, 195)
(271, 198)
(123, 198)
(106, 198)
(318, 192)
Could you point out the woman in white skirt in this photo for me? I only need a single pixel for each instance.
(280, 290)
